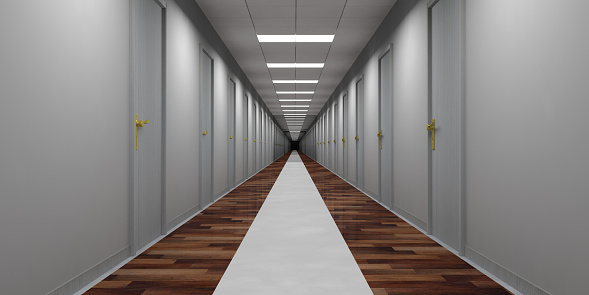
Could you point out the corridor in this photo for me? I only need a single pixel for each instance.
(253, 241)
(294, 147)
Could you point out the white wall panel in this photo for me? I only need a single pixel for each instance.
(65, 142)
(527, 164)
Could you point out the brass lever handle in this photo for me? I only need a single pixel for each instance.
(357, 138)
(432, 127)
(379, 134)
(231, 137)
(205, 133)
(245, 139)
(344, 141)
(138, 123)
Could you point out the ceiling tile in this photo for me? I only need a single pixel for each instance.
(283, 74)
(316, 30)
(279, 52)
(317, 21)
(274, 21)
(269, 2)
(308, 74)
(272, 11)
(360, 22)
(275, 30)
(370, 3)
(319, 11)
(312, 52)
(321, 2)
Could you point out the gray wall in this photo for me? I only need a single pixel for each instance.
(65, 140)
(188, 31)
(526, 165)
(526, 125)
(64, 152)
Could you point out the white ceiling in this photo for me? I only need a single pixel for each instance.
(239, 21)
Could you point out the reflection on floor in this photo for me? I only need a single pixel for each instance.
(193, 258)
(394, 257)
(293, 246)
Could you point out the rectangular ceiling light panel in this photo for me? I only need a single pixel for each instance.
(296, 65)
(294, 110)
(303, 100)
(295, 92)
(296, 38)
(295, 106)
(295, 81)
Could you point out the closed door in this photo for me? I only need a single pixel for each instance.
(329, 135)
(446, 110)
(253, 140)
(259, 142)
(345, 137)
(385, 101)
(360, 133)
(245, 127)
(147, 71)
(231, 131)
(335, 137)
(206, 125)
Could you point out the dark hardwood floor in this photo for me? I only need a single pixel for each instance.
(193, 258)
(394, 257)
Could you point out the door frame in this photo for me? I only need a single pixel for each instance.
(231, 173)
(205, 50)
(388, 50)
(360, 127)
(462, 143)
(133, 230)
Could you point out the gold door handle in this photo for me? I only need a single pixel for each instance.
(344, 141)
(379, 134)
(432, 127)
(254, 140)
(245, 139)
(231, 137)
(357, 138)
(138, 123)
(205, 133)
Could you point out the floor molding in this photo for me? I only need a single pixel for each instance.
(502, 276)
(93, 273)
(508, 277)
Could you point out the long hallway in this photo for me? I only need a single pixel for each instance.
(269, 236)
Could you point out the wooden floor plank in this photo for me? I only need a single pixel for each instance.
(394, 257)
(193, 258)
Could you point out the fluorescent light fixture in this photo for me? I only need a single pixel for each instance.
(296, 65)
(294, 110)
(303, 100)
(295, 38)
(295, 106)
(295, 81)
(295, 92)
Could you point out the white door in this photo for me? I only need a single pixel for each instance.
(446, 110)
(206, 125)
(345, 137)
(147, 95)
(231, 131)
(245, 135)
(360, 133)
(386, 128)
